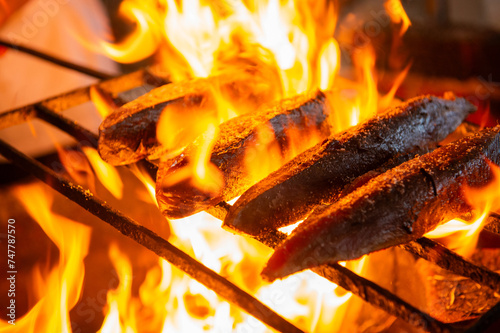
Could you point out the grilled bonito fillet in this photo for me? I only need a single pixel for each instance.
(319, 174)
(393, 208)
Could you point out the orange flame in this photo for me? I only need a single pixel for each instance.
(143, 41)
(386, 100)
(462, 236)
(264, 156)
(120, 315)
(147, 181)
(103, 106)
(293, 40)
(397, 14)
(77, 166)
(60, 290)
(107, 174)
(177, 303)
(201, 38)
(176, 128)
(329, 64)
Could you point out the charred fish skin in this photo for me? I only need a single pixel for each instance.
(129, 133)
(363, 179)
(304, 113)
(393, 208)
(319, 174)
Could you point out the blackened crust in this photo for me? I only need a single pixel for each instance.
(319, 174)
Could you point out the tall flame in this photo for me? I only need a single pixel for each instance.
(177, 303)
(120, 316)
(194, 31)
(107, 174)
(203, 39)
(397, 14)
(60, 290)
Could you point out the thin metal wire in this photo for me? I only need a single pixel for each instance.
(63, 63)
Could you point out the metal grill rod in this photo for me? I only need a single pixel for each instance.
(61, 102)
(63, 63)
(150, 240)
(365, 289)
(447, 259)
(337, 274)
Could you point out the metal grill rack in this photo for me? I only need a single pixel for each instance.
(50, 111)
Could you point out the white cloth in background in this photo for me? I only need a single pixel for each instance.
(55, 27)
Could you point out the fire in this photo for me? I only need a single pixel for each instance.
(84, 166)
(143, 41)
(174, 302)
(329, 64)
(397, 14)
(264, 156)
(292, 39)
(147, 181)
(58, 291)
(194, 32)
(202, 39)
(77, 166)
(120, 316)
(103, 106)
(292, 46)
(462, 236)
(107, 174)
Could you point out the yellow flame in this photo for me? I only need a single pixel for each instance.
(369, 95)
(143, 41)
(199, 171)
(77, 166)
(176, 129)
(148, 182)
(103, 107)
(178, 303)
(293, 41)
(329, 64)
(397, 14)
(120, 316)
(194, 32)
(202, 39)
(264, 156)
(386, 100)
(60, 290)
(107, 174)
